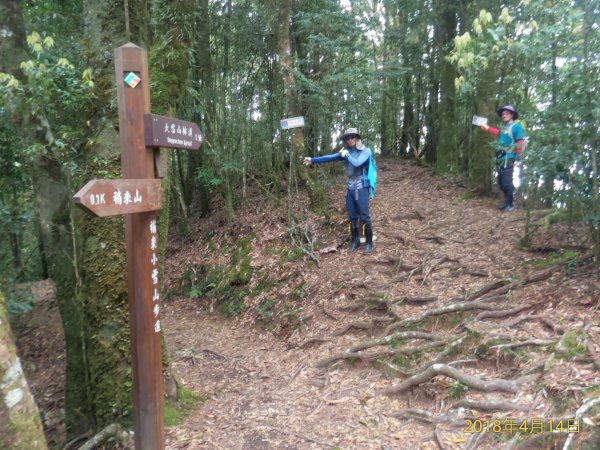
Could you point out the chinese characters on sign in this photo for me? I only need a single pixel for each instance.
(154, 275)
(160, 131)
(104, 198)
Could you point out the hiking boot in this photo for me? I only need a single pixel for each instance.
(369, 239)
(354, 238)
(509, 208)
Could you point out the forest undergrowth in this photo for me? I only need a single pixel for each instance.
(452, 334)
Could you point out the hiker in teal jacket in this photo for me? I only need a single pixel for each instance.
(356, 158)
(511, 139)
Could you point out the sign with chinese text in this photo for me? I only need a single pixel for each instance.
(292, 122)
(160, 131)
(104, 198)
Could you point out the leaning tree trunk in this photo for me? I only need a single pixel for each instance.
(20, 424)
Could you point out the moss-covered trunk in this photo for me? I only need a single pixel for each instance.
(481, 153)
(53, 196)
(446, 151)
(20, 424)
(318, 197)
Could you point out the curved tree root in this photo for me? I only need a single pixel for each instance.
(361, 325)
(449, 371)
(375, 355)
(112, 430)
(503, 312)
(452, 307)
(401, 335)
(544, 320)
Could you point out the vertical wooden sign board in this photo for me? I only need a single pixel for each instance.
(141, 239)
(138, 197)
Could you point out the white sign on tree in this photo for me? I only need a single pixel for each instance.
(292, 122)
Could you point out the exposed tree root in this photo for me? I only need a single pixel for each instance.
(588, 404)
(449, 350)
(438, 438)
(397, 336)
(359, 355)
(112, 430)
(524, 343)
(487, 288)
(490, 405)
(466, 379)
(436, 239)
(505, 288)
(308, 343)
(544, 320)
(349, 354)
(503, 312)
(452, 307)
(416, 300)
(589, 345)
(362, 325)
(433, 266)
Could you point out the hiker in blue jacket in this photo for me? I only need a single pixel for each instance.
(356, 158)
(511, 141)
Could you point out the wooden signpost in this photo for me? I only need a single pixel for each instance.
(138, 197)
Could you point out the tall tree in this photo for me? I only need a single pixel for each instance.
(448, 124)
(316, 193)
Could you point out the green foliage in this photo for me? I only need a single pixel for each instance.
(227, 285)
(572, 344)
(18, 299)
(457, 390)
(555, 258)
(187, 401)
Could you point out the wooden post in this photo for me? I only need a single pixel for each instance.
(142, 248)
(138, 197)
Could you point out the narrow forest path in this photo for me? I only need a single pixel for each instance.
(446, 284)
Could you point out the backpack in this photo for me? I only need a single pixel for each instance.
(510, 134)
(372, 175)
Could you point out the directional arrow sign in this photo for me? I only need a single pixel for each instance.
(160, 131)
(103, 198)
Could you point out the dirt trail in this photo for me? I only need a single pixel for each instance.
(446, 283)
(432, 249)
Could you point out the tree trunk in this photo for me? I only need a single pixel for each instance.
(55, 208)
(20, 424)
(446, 151)
(13, 39)
(318, 197)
